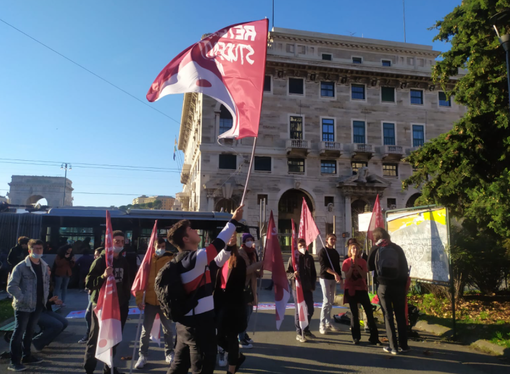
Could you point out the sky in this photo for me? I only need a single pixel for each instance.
(74, 75)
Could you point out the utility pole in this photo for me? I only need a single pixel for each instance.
(65, 166)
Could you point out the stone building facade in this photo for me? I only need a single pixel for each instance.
(339, 116)
(29, 189)
(167, 202)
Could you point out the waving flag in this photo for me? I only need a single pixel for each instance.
(107, 309)
(377, 219)
(273, 262)
(300, 298)
(228, 65)
(140, 282)
(307, 228)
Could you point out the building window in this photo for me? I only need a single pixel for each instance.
(418, 135)
(228, 161)
(327, 57)
(386, 62)
(267, 83)
(328, 130)
(262, 163)
(389, 133)
(327, 89)
(296, 86)
(357, 60)
(355, 166)
(358, 130)
(328, 166)
(391, 203)
(261, 199)
(296, 165)
(388, 94)
(443, 101)
(358, 92)
(226, 120)
(417, 97)
(296, 127)
(390, 170)
(329, 200)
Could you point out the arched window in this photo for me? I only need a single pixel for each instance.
(226, 120)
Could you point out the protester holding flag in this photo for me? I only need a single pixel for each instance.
(330, 275)
(97, 276)
(307, 275)
(159, 257)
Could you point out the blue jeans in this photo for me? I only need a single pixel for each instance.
(149, 315)
(51, 324)
(24, 326)
(61, 284)
(88, 318)
(328, 298)
(249, 311)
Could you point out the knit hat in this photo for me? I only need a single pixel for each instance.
(246, 236)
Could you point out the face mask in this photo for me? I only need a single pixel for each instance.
(118, 249)
(36, 255)
(159, 252)
(302, 250)
(249, 244)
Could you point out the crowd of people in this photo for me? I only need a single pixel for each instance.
(220, 287)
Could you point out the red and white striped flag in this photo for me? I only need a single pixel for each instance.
(107, 309)
(377, 220)
(308, 230)
(228, 65)
(140, 282)
(273, 262)
(300, 302)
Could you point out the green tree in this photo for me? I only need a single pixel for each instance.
(467, 169)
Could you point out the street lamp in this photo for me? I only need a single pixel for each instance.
(503, 19)
(65, 166)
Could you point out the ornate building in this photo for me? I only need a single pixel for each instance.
(339, 115)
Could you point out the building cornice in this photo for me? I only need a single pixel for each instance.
(186, 127)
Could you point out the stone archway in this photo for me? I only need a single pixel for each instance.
(357, 207)
(289, 207)
(34, 199)
(28, 189)
(412, 200)
(225, 205)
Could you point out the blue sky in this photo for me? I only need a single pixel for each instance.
(53, 110)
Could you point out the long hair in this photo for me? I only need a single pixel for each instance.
(63, 250)
(232, 261)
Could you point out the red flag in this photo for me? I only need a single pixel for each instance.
(228, 65)
(140, 282)
(377, 219)
(300, 302)
(273, 262)
(107, 309)
(307, 228)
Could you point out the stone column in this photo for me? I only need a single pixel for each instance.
(348, 218)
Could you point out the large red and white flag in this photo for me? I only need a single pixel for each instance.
(300, 302)
(140, 282)
(228, 65)
(107, 309)
(377, 219)
(308, 230)
(273, 262)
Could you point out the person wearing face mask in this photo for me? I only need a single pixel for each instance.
(307, 274)
(29, 284)
(94, 281)
(151, 308)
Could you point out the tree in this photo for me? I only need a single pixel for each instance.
(467, 169)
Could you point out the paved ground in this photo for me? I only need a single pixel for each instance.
(279, 352)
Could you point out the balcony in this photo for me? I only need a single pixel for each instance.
(186, 168)
(391, 152)
(410, 150)
(297, 147)
(362, 151)
(330, 149)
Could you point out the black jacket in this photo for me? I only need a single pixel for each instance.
(325, 264)
(403, 268)
(306, 271)
(16, 255)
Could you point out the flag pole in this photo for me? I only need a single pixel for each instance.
(249, 170)
(137, 337)
(259, 281)
(329, 258)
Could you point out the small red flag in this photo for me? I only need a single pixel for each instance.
(308, 230)
(300, 302)
(377, 219)
(140, 282)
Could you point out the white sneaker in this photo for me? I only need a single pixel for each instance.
(322, 330)
(170, 357)
(300, 338)
(142, 360)
(223, 358)
(332, 328)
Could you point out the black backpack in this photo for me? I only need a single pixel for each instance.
(173, 299)
(387, 262)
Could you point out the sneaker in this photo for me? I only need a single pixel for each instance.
(245, 345)
(247, 338)
(308, 334)
(32, 360)
(16, 367)
(300, 338)
(83, 340)
(375, 342)
(142, 360)
(389, 350)
(355, 341)
(169, 357)
(404, 350)
(332, 328)
(322, 330)
(222, 358)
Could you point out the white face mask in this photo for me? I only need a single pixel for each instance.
(159, 252)
(302, 250)
(118, 249)
(36, 255)
(249, 244)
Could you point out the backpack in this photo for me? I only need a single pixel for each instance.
(173, 299)
(387, 262)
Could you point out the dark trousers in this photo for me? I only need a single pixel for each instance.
(24, 326)
(51, 324)
(90, 361)
(393, 299)
(88, 318)
(195, 347)
(361, 297)
(308, 295)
